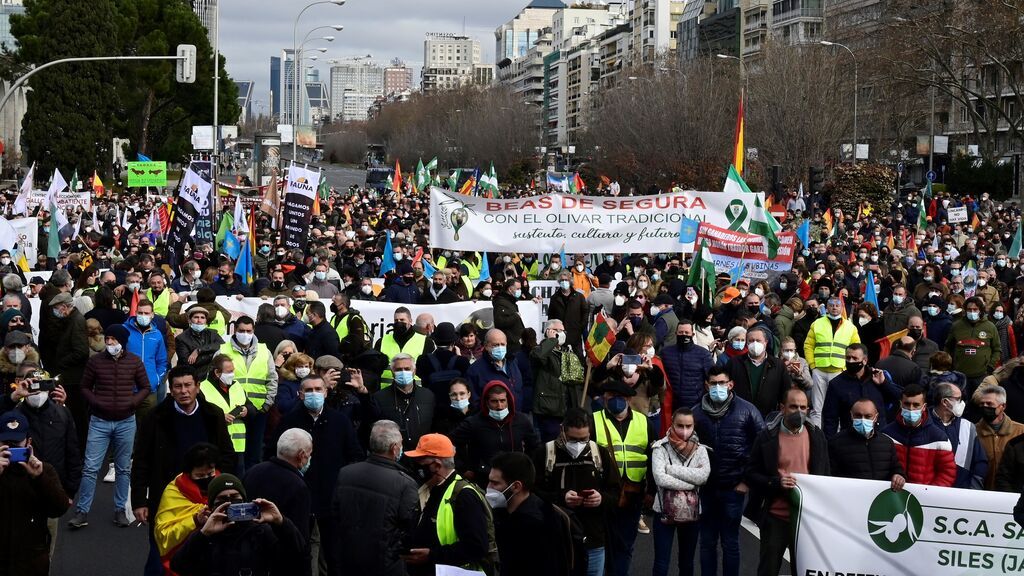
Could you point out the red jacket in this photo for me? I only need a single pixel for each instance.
(924, 451)
(114, 387)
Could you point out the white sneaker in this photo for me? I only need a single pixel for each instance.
(642, 527)
(109, 478)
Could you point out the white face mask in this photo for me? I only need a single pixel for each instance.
(244, 338)
(16, 356)
(629, 369)
(560, 338)
(281, 311)
(755, 349)
(487, 293)
(114, 349)
(367, 289)
(196, 274)
(227, 378)
(788, 354)
(38, 399)
(642, 285)
(650, 352)
(576, 448)
(863, 320)
(620, 300)
(957, 409)
(302, 372)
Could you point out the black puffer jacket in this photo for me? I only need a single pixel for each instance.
(377, 508)
(114, 387)
(730, 437)
(479, 437)
(507, 319)
(853, 456)
(55, 441)
(763, 472)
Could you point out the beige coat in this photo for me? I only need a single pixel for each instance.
(995, 443)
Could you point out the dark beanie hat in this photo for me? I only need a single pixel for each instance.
(117, 332)
(222, 483)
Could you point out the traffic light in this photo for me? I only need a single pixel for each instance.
(817, 179)
(185, 72)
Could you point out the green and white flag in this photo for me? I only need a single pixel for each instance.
(1015, 247)
(702, 274)
(489, 181)
(922, 216)
(422, 176)
(453, 180)
(432, 165)
(390, 182)
(763, 224)
(734, 183)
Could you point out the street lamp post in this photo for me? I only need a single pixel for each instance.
(295, 65)
(854, 56)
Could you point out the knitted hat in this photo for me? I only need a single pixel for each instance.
(222, 483)
(117, 332)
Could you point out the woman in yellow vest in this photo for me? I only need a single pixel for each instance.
(221, 390)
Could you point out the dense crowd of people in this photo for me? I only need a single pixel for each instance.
(293, 442)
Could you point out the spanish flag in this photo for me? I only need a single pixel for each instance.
(890, 241)
(97, 184)
(885, 343)
(975, 222)
(826, 219)
(739, 147)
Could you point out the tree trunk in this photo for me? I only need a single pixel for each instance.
(147, 114)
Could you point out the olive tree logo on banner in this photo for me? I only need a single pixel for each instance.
(454, 217)
(895, 520)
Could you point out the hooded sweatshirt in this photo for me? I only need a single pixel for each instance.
(480, 437)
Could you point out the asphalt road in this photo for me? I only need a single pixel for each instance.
(102, 549)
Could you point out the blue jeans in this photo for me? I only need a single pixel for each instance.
(721, 512)
(622, 525)
(255, 428)
(595, 562)
(687, 536)
(103, 433)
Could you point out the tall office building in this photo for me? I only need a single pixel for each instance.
(285, 85)
(245, 93)
(275, 86)
(355, 87)
(450, 61)
(514, 38)
(207, 12)
(397, 78)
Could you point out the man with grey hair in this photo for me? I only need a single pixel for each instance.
(377, 506)
(280, 480)
(405, 403)
(425, 324)
(998, 433)
(497, 364)
(971, 460)
(14, 287)
(758, 377)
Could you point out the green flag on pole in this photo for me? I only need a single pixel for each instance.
(1015, 247)
(922, 216)
(702, 275)
(422, 176)
(453, 180)
(734, 182)
(489, 182)
(760, 225)
(432, 165)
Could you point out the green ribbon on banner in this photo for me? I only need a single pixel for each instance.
(736, 214)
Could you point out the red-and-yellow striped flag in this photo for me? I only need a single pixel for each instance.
(738, 149)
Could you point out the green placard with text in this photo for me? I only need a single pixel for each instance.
(143, 174)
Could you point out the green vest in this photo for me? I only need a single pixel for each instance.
(161, 304)
(631, 453)
(390, 348)
(472, 270)
(236, 397)
(253, 377)
(446, 535)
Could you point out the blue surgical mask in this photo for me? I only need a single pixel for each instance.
(655, 277)
(400, 452)
(460, 404)
(313, 401)
(498, 353)
(821, 310)
(197, 327)
(564, 284)
(404, 378)
(719, 393)
(498, 415)
(518, 293)
(305, 467)
(321, 276)
(910, 416)
(863, 426)
(738, 344)
(616, 404)
(974, 316)
(264, 249)
(143, 320)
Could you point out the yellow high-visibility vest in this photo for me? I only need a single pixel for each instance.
(253, 377)
(236, 397)
(389, 347)
(631, 453)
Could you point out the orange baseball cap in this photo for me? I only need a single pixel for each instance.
(435, 445)
(730, 294)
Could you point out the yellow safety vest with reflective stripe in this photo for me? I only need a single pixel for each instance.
(829, 348)
(160, 304)
(236, 397)
(440, 263)
(253, 377)
(216, 322)
(472, 271)
(341, 324)
(446, 535)
(389, 347)
(631, 453)
(533, 271)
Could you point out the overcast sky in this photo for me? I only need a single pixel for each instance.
(251, 31)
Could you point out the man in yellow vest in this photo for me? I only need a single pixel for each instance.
(158, 293)
(825, 352)
(402, 339)
(224, 392)
(256, 372)
(627, 434)
(456, 527)
(350, 326)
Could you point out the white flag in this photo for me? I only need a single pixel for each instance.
(21, 202)
(241, 225)
(58, 184)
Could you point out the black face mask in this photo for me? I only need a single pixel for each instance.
(202, 483)
(755, 310)
(635, 321)
(437, 287)
(854, 367)
(915, 334)
(278, 285)
(400, 329)
(988, 413)
(299, 305)
(683, 341)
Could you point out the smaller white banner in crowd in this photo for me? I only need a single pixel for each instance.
(846, 527)
(66, 200)
(957, 215)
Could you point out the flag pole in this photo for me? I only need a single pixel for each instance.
(586, 385)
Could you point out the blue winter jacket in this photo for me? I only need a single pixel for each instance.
(730, 439)
(687, 368)
(483, 371)
(149, 346)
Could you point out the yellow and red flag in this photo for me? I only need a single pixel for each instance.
(738, 149)
(397, 182)
(97, 184)
(600, 340)
(885, 343)
(890, 241)
(827, 220)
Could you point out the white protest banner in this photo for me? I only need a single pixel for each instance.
(379, 316)
(583, 224)
(67, 200)
(731, 249)
(27, 230)
(847, 527)
(957, 215)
